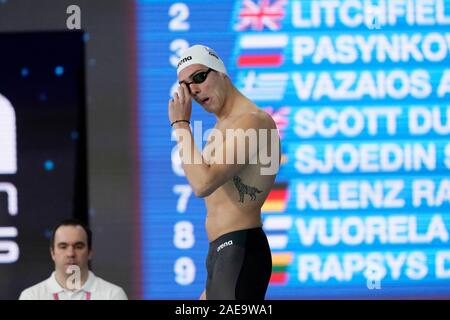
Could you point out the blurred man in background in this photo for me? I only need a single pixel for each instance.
(71, 251)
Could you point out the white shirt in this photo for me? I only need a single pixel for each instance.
(94, 288)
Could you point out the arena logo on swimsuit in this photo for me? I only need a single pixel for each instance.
(225, 244)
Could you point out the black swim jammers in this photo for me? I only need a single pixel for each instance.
(239, 266)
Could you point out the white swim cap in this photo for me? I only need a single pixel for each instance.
(202, 55)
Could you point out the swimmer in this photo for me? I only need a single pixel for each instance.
(239, 262)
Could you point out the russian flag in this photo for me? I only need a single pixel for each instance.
(262, 50)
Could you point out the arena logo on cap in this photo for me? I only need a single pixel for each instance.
(184, 60)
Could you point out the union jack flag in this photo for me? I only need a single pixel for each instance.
(263, 14)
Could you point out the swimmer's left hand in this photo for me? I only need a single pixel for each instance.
(180, 107)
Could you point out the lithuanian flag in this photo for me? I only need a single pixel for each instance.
(277, 199)
(280, 264)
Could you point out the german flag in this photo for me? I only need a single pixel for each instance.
(277, 199)
(280, 264)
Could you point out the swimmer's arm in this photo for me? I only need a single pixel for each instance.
(204, 177)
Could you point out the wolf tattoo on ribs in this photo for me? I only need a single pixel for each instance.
(244, 189)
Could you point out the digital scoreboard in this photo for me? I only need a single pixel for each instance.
(360, 94)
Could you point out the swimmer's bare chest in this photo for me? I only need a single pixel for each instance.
(236, 205)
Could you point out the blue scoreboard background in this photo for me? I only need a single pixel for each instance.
(360, 94)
